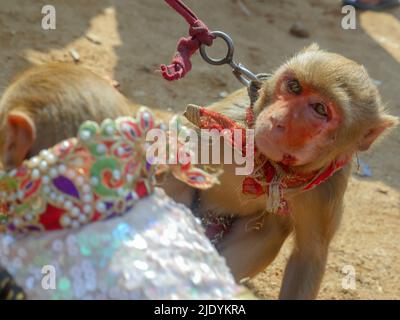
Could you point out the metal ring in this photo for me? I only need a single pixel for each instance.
(229, 56)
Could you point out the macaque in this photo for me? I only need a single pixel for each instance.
(47, 104)
(317, 108)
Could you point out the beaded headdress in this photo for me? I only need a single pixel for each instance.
(97, 175)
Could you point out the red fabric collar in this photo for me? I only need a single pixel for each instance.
(260, 181)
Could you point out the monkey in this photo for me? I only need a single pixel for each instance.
(316, 109)
(42, 107)
(46, 104)
(338, 112)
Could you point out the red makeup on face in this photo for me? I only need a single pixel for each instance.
(296, 124)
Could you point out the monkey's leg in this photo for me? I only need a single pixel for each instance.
(303, 273)
(314, 228)
(248, 252)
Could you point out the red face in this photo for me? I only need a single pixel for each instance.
(298, 125)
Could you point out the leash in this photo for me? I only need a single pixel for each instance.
(199, 38)
(199, 34)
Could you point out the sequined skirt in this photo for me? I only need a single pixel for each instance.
(157, 250)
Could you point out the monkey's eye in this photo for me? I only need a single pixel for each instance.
(320, 109)
(294, 86)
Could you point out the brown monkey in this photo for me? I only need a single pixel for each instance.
(348, 117)
(316, 110)
(47, 104)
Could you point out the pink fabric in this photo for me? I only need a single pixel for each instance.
(199, 34)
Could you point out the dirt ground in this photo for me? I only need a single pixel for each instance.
(136, 36)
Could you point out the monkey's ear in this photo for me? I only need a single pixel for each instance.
(19, 139)
(373, 133)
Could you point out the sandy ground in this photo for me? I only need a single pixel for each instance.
(138, 35)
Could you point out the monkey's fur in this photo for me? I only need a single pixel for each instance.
(47, 104)
(316, 214)
(53, 99)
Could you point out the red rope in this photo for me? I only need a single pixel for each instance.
(199, 34)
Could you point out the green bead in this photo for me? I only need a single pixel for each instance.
(64, 284)
(107, 128)
(85, 250)
(87, 130)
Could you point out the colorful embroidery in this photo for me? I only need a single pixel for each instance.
(98, 175)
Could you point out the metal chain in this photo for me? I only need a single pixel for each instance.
(244, 75)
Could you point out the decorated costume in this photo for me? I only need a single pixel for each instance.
(83, 220)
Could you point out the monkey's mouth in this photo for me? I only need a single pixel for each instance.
(288, 159)
(274, 152)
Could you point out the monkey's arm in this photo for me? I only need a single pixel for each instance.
(316, 218)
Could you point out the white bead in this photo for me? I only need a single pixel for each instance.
(45, 180)
(65, 144)
(35, 161)
(87, 208)
(146, 116)
(101, 207)
(53, 172)
(44, 153)
(62, 168)
(43, 165)
(87, 198)
(85, 134)
(82, 218)
(50, 158)
(13, 173)
(20, 194)
(134, 196)
(121, 192)
(46, 189)
(60, 198)
(94, 181)
(117, 175)
(17, 222)
(129, 178)
(53, 196)
(120, 151)
(126, 127)
(68, 205)
(65, 220)
(109, 130)
(35, 174)
(101, 148)
(80, 180)
(28, 217)
(86, 188)
(75, 212)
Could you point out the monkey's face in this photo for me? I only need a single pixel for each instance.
(298, 124)
(318, 107)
